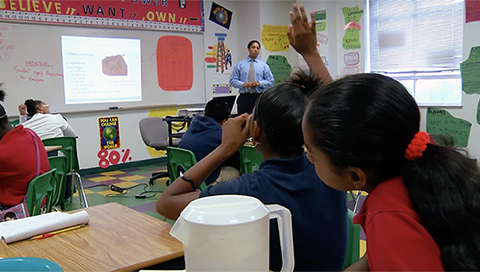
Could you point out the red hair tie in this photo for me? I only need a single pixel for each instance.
(417, 146)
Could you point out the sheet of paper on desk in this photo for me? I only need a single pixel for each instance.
(21, 229)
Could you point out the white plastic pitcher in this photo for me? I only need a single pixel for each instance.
(231, 233)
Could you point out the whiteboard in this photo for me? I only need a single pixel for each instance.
(31, 66)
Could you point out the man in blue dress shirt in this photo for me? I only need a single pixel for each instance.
(251, 76)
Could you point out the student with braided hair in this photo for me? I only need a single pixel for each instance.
(362, 133)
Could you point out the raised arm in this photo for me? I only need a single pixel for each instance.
(22, 117)
(303, 38)
(177, 196)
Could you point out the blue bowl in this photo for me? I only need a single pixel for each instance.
(28, 264)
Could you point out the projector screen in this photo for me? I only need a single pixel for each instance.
(99, 70)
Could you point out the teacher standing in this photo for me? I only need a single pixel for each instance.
(251, 76)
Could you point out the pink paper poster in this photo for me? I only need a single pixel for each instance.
(472, 11)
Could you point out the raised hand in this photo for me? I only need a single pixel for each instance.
(303, 38)
(22, 109)
(302, 34)
(235, 132)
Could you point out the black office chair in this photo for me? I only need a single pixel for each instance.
(154, 132)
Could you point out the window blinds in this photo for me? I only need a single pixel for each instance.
(415, 35)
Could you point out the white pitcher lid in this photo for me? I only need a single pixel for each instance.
(224, 210)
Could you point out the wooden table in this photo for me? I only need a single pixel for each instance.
(116, 239)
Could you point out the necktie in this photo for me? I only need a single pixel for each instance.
(251, 76)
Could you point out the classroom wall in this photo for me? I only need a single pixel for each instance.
(87, 127)
(339, 58)
(212, 30)
(470, 101)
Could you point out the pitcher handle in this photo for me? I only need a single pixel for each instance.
(284, 219)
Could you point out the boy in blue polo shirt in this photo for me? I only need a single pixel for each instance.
(204, 135)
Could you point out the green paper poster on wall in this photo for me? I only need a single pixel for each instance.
(478, 112)
(320, 19)
(351, 38)
(442, 122)
(280, 68)
(470, 71)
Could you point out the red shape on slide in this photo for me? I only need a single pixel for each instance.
(210, 60)
(174, 63)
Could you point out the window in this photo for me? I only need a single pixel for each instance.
(419, 43)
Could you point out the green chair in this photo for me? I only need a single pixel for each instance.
(14, 123)
(250, 159)
(353, 242)
(39, 188)
(69, 149)
(180, 160)
(61, 164)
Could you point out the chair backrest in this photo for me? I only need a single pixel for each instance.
(154, 131)
(40, 187)
(15, 122)
(61, 164)
(69, 149)
(180, 160)
(353, 242)
(28, 264)
(250, 159)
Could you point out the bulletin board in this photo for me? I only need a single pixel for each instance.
(31, 66)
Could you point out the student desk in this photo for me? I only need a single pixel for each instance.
(116, 239)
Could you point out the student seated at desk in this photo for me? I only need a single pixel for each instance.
(286, 177)
(45, 124)
(204, 135)
(22, 155)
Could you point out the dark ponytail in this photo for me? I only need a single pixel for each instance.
(279, 112)
(367, 121)
(32, 106)
(3, 112)
(444, 188)
(2, 94)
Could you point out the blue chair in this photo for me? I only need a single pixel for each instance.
(28, 264)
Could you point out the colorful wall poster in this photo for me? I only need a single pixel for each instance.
(320, 19)
(220, 15)
(218, 56)
(222, 88)
(351, 38)
(280, 68)
(174, 63)
(274, 38)
(470, 72)
(152, 14)
(109, 132)
(440, 121)
(472, 11)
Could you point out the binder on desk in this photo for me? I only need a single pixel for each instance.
(25, 228)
